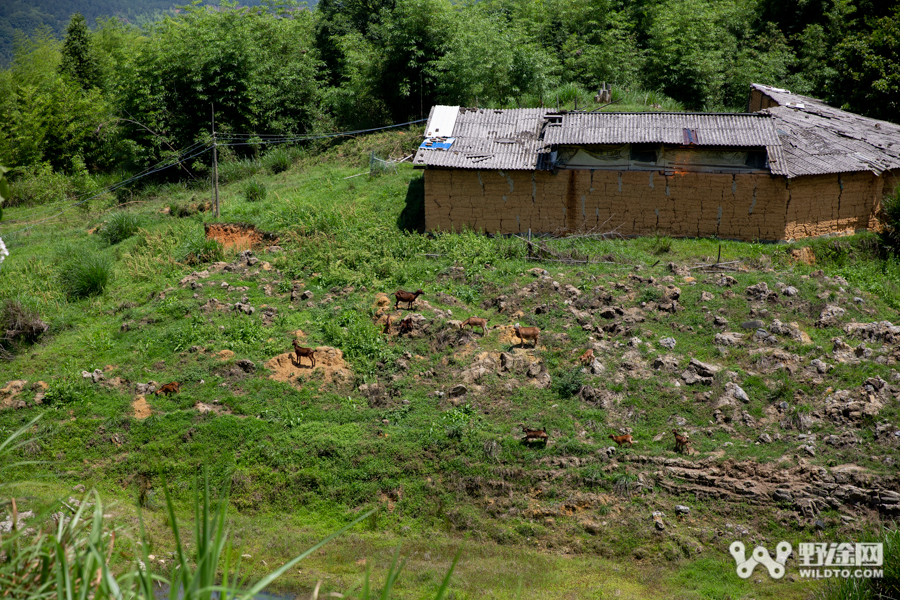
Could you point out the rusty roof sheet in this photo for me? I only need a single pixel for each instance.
(819, 139)
(492, 139)
(707, 129)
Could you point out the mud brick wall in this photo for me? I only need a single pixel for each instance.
(821, 204)
(740, 206)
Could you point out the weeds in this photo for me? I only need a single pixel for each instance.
(120, 226)
(198, 249)
(255, 190)
(87, 273)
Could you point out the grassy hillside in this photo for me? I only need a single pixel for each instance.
(785, 414)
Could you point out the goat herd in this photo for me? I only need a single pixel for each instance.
(682, 442)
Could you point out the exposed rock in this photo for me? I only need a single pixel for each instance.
(668, 342)
(458, 390)
(682, 509)
(830, 316)
(678, 270)
(729, 339)
(754, 324)
(95, 377)
(790, 291)
(760, 291)
(726, 281)
(247, 366)
(882, 331)
(244, 308)
(665, 363)
(764, 438)
(706, 297)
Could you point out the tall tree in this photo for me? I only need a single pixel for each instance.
(78, 59)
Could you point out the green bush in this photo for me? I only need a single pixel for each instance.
(568, 383)
(87, 273)
(18, 324)
(279, 160)
(199, 249)
(39, 184)
(255, 190)
(120, 226)
(890, 221)
(65, 391)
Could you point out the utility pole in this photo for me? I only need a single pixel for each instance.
(215, 181)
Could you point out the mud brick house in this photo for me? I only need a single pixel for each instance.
(790, 167)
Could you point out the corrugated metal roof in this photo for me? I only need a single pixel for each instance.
(735, 130)
(819, 139)
(441, 121)
(491, 139)
(802, 136)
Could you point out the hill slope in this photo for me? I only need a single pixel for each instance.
(783, 375)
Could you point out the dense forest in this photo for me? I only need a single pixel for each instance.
(18, 17)
(109, 96)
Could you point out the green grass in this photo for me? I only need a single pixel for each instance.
(300, 457)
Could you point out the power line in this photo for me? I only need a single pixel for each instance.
(180, 159)
(108, 189)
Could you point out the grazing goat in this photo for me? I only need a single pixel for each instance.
(474, 322)
(407, 297)
(622, 439)
(527, 333)
(169, 388)
(682, 442)
(309, 353)
(405, 326)
(532, 435)
(588, 357)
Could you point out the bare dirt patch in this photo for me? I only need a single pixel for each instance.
(8, 394)
(239, 236)
(225, 354)
(330, 365)
(141, 408)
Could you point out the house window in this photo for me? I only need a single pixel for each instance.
(643, 153)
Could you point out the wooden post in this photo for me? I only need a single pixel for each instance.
(215, 181)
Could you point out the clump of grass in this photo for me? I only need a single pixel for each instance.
(662, 244)
(569, 383)
(87, 273)
(255, 190)
(120, 226)
(199, 249)
(862, 588)
(279, 160)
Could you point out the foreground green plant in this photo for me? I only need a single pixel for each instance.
(85, 274)
(120, 226)
(859, 588)
(71, 560)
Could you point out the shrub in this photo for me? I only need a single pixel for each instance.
(120, 226)
(85, 274)
(199, 249)
(19, 324)
(890, 220)
(66, 391)
(39, 184)
(569, 383)
(255, 190)
(279, 160)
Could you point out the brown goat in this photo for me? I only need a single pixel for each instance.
(622, 439)
(588, 357)
(527, 333)
(405, 326)
(408, 297)
(474, 322)
(532, 435)
(169, 388)
(309, 353)
(682, 442)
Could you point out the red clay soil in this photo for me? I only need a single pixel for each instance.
(239, 236)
